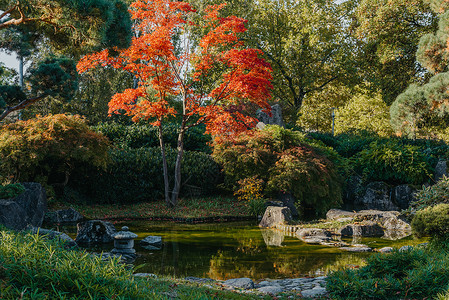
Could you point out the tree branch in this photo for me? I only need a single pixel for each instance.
(21, 105)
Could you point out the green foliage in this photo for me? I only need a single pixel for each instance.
(432, 221)
(414, 274)
(256, 207)
(11, 190)
(144, 135)
(47, 149)
(388, 33)
(363, 113)
(11, 94)
(287, 161)
(135, 175)
(432, 195)
(393, 162)
(72, 26)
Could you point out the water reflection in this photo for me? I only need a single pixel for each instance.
(231, 250)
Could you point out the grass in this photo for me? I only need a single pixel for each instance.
(32, 267)
(187, 208)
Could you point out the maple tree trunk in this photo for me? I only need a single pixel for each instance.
(164, 167)
(180, 148)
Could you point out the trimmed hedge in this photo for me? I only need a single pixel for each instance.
(144, 135)
(135, 175)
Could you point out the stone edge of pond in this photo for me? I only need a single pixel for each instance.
(307, 286)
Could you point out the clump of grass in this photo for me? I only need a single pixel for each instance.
(32, 267)
(411, 274)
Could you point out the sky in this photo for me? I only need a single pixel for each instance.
(9, 61)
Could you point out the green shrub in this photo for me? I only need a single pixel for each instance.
(47, 149)
(11, 190)
(135, 175)
(393, 162)
(287, 161)
(432, 195)
(144, 135)
(432, 221)
(411, 274)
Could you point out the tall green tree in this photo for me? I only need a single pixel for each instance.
(432, 98)
(388, 34)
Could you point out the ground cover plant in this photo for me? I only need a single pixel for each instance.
(33, 267)
(206, 207)
(412, 274)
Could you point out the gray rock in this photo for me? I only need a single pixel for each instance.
(241, 283)
(357, 249)
(365, 229)
(26, 209)
(405, 248)
(199, 280)
(63, 216)
(276, 116)
(376, 196)
(403, 195)
(151, 243)
(272, 237)
(288, 200)
(275, 215)
(440, 170)
(395, 224)
(353, 189)
(270, 289)
(386, 250)
(95, 232)
(313, 235)
(335, 214)
(145, 275)
(53, 234)
(315, 292)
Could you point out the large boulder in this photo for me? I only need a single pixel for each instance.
(274, 119)
(275, 216)
(241, 283)
(403, 195)
(354, 189)
(95, 232)
(27, 209)
(440, 170)
(368, 228)
(335, 214)
(63, 216)
(377, 196)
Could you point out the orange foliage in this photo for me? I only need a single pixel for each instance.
(165, 69)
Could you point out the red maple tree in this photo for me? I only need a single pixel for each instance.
(204, 65)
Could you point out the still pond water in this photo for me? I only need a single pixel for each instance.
(232, 250)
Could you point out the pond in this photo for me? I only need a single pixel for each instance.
(232, 250)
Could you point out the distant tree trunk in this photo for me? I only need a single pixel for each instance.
(164, 166)
(180, 148)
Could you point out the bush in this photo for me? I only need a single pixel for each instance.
(393, 162)
(11, 190)
(135, 175)
(432, 195)
(47, 149)
(287, 161)
(139, 135)
(432, 221)
(412, 274)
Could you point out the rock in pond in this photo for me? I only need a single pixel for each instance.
(357, 248)
(313, 235)
(386, 250)
(63, 216)
(95, 232)
(273, 237)
(241, 283)
(26, 209)
(151, 242)
(275, 216)
(366, 229)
